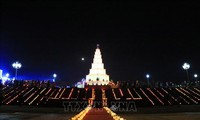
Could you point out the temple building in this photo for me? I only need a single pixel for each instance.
(97, 74)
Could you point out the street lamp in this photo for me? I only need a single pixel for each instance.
(195, 76)
(7, 75)
(186, 66)
(82, 59)
(16, 65)
(147, 76)
(54, 77)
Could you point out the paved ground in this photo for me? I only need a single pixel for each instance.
(162, 116)
(51, 116)
(34, 113)
(156, 113)
(34, 116)
(97, 114)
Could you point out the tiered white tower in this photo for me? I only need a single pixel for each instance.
(97, 74)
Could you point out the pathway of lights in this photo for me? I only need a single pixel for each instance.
(48, 91)
(10, 91)
(194, 92)
(104, 97)
(181, 97)
(45, 95)
(197, 90)
(184, 100)
(12, 99)
(169, 94)
(127, 92)
(158, 92)
(165, 93)
(115, 95)
(62, 93)
(130, 93)
(70, 94)
(103, 93)
(28, 92)
(114, 115)
(190, 94)
(22, 91)
(59, 91)
(180, 90)
(139, 97)
(147, 96)
(162, 96)
(37, 96)
(52, 93)
(175, 99)
(155, 96)
(121, 93)
(164, 90)
(4, 101)
(27, 96)
(66, 93)
(137, 94)
(8, 95)
(30, 96)
(33, 96)
(82, 114)
(40, 96)
(93, 94)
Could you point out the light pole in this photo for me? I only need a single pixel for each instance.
(82, 59)
(54, 77)
(195, 76)
(16, 65)
(186, 66)
(7, 75)
(147, 76)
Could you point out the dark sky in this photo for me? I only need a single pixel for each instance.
(135, 38)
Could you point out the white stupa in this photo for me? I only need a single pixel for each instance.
(97, 74)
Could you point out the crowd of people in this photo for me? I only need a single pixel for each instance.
(31, 83)
(160, 84)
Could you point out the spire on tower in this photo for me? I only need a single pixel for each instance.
(97, 45)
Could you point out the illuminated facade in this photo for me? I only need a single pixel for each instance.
(97, 74)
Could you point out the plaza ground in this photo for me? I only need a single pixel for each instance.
(190, 112)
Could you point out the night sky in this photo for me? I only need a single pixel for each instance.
(135, 39)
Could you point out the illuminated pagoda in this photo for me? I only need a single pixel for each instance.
(97, 74)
